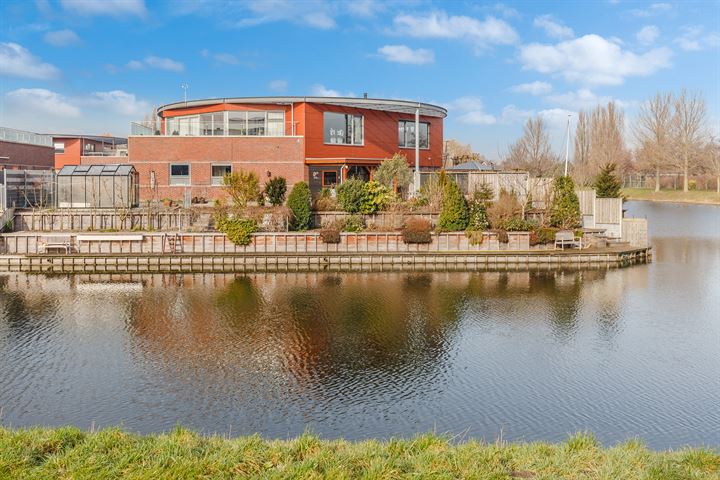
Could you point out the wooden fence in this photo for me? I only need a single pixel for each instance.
(89, 220)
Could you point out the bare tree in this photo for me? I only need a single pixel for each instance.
(532, 152)
(606, 138)
(582, 170)
(653, 132)
(688, 126)
(711, 160)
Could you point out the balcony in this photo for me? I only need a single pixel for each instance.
(194, 127)
(21, 136)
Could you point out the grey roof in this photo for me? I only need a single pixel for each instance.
(96, 170)
(473, 166)
(94, 138)
(401, 106)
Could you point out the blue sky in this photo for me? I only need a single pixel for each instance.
(93, 66)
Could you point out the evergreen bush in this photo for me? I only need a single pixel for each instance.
(454, 213)
(299, 202)
(350, 195)
(275, 190)
(394, 173)
(375, 197)
(565, 208)
(238, 230)
(607, 184)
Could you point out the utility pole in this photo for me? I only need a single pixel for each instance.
(185, 87)
(417, 149)
(567, 145)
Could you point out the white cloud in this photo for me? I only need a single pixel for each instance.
(695, 39)
(312, 13)
(482, 33)
(135, 65)
(533, 88)
(40, 101)
(227, 58)
(62, 38)
(113, 8)
(17, 61)
(156, 62)
(653, 10)
(119, 102)
(648, 34)
(577, 100)
(512, 114)
(591, 59)
(364, 8)
(319, 90)
(405, 54)
(556, 117)
(164, 64)
(471, 110)
(506, 11)
(553, 28)
(278, 85)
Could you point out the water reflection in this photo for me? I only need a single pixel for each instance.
(535, 354)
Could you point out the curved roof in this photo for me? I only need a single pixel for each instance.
(402, 106)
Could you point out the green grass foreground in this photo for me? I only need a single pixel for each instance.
(678, 196)
(70, 453)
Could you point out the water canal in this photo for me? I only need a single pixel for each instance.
(624, 353)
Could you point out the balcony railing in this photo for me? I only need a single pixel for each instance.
(118, 152)
(21, 136)
(207, 129)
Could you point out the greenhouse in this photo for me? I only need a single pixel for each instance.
(97, 186)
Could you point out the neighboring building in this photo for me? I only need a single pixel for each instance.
(70, 148)
(473, 166)
(192, 144)
(20, 150)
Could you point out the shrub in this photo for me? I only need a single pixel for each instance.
(325, 202)
(374, 197)
(477, 211)
(299, 204)
(350, 195)
(275, 190)
(544, 236)
(692, 184)
(454, 213)
(607, 184)
(517, 224)
(506, 207)
(330, 233)
(353, 223)
(394, 173)
(431, 192)
(241, 186)
(565, 208)
(417, 230)
(238, 230)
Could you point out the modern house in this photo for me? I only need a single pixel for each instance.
(69, 149)
(322, 140)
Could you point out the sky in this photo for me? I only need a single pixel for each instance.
(93, 66)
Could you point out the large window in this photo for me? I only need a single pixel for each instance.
(59, 147)
(218, 172)
(343, 129)
(255, 123)
(179, 174)
(406, 134)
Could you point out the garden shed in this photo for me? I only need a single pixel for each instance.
(97, 186)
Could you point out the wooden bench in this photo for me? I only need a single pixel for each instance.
(56, 242)
(565, 238)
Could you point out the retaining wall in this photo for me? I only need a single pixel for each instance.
(218, 243)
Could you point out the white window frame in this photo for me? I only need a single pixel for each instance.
(412, 147)
(171, 176)
(352, 132)
(218, 181)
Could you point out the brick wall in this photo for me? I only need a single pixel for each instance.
(23, 155)
(279, 156)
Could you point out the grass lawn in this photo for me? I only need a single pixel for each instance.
(69, 453)
(694, 196)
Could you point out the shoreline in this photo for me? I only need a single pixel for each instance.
(69, 452)
(663, 200)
